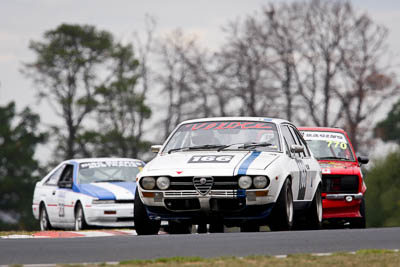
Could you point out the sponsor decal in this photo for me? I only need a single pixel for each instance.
(106, 164)
(325, 136)
(211, 159)
(326, 171)
(61, 210)
(218, 125)
(302, 179)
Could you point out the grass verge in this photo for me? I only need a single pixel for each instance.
(370, 258)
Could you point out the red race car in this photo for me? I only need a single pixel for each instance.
(343, 186)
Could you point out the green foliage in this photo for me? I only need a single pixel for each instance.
(121, 111)
(19, 137)
(389, 128)
(67, 69)
(383, 194)
(83, 72)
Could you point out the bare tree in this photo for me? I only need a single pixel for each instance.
(184, 80)
(367, 81)
(245, 61)
(284, 37)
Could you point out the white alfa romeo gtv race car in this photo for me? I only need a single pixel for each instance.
(239, 171)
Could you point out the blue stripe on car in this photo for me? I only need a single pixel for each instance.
(131, 186)
(96, 191)
(245, 165)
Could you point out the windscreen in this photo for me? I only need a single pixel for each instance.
(329, 145)
(233, 134)
(108, 171)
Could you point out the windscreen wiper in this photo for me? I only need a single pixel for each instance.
(195, 147)
(226, 146)
(327, 158)
(110, 181)
(254, 145)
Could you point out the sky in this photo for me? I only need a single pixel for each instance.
(25, 20)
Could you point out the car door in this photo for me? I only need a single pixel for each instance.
(296, 165)
(309, 163)
(50, 189)
(64, 195)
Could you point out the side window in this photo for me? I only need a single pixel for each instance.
(53, 179)
(299, 141)
(66, 176)
(288, 136)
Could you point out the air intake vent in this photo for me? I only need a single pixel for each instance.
(203, 184)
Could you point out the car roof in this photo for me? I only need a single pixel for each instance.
(258, 119)
(322, 129)
(80, 160)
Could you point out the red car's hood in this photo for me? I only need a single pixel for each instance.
(339, 167)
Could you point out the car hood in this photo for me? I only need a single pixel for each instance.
(109, 191)
(339, 167)
(219, 163)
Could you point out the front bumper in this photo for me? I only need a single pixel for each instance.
(115, 215)
(221, 204)
(341, 205)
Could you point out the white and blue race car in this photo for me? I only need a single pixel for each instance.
(238, 171)
(87, 192)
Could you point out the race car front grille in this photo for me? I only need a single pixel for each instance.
(340, 184)
(220, 183)
(203, 184)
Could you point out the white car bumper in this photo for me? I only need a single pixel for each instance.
(115, 215)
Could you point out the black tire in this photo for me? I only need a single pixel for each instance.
(360, 222)
(143, 224)
(250, 226)
(216, 227)
(179, 228)
(80, 221)
(44, 221)
(281, 218)
(313, 216)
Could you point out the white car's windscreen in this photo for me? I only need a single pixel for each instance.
(107, 171)
(233, 134)
(328, 145)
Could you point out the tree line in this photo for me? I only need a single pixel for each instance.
(312, 62)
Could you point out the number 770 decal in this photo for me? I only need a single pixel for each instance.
(336, 144)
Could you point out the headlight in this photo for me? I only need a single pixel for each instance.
(103, 201)
(260, 182)
(163, 182)
(245, 182)
(148, 183)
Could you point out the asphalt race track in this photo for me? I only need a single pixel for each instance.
(117, 248)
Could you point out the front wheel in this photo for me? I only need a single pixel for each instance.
(44, 219)
(80, 221)
(143, 224)
(314, 214)
(281, 218)
(360, 222)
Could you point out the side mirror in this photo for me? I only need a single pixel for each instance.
(362, 160)
(156, 148)
(296, 148)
